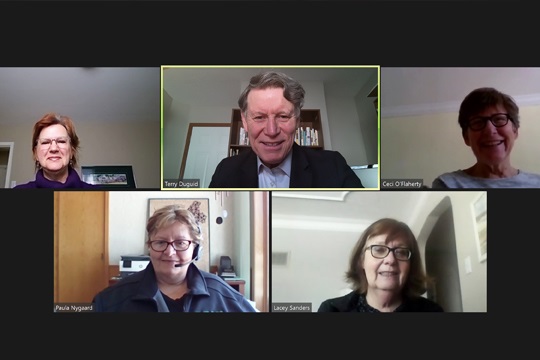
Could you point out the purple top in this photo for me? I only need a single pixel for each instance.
(73, 181)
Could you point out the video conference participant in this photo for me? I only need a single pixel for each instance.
(172, 282)
(270, 108)
(386, 273)
(489, 121)
(55, 146)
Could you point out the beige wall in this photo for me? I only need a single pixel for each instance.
(423, 147)
(129, 143)
(473, 284)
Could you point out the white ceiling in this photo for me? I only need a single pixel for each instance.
(347, 209)
(414, 91)
(101, 95)
(85, 94)
(133, 94)
(195, 83)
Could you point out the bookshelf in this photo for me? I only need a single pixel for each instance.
(308, 118)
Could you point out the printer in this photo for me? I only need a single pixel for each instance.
(132, 264)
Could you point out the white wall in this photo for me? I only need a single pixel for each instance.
(413, 91)
(369, 121)
(317, 263)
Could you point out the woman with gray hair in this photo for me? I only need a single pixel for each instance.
(489, 121)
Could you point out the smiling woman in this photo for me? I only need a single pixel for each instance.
(55, 148)
(489, 121)
(173, 281)
(385, 272)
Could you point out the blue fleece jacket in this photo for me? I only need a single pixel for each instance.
(139, 293)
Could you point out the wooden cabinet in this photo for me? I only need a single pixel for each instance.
(237, 284)
(234, 137)
(81, 250)
(309, 118)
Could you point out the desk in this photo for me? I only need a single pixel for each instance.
(237, 284)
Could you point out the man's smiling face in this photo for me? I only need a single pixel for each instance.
(271, 125)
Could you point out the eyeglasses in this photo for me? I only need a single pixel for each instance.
(61, 142)
(162, 245)
(382, 251)
(479, 122)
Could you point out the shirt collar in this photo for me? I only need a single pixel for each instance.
(285, 165)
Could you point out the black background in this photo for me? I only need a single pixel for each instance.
(402, 33)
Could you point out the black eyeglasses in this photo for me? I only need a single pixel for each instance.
(479, 122)
(162, 245)
(382, 251)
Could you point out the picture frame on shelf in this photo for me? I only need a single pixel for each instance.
(109, 176)
(199, 207)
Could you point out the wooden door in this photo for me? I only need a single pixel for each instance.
(260, 241)
(81, 253)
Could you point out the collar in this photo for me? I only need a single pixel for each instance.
(285, 165)
(73, 180)
(149, 288)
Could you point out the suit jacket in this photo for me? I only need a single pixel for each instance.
(310, 168)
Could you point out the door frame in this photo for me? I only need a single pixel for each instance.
(9, 146)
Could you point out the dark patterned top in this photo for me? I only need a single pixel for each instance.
(354, 302)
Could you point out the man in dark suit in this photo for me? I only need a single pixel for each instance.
(270, 107)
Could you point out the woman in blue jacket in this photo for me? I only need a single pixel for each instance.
(172, 282)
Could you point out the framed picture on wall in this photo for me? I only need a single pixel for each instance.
(200, 209)
(109, 176)
(479, 209)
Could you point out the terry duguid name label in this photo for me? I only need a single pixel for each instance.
(73, 307)
(184, 183)
(291, 307)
